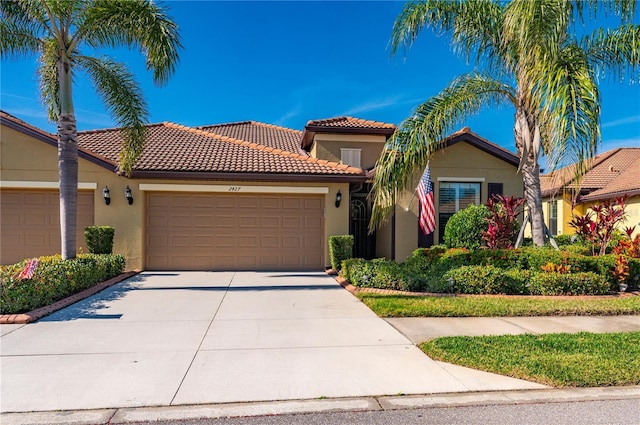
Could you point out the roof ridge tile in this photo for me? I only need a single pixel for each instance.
(263, 148)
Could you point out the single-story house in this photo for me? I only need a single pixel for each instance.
(611, 174)
(236, 196)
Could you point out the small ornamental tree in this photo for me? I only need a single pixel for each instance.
(502, 221)
(597, 226)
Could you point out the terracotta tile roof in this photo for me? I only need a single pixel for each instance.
(274, 136)
(174, 148)
(344, 125)
(349, 122)
(9, 119)
(609, 174)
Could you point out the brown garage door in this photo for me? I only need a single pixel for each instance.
(204, 231)
(30, 223)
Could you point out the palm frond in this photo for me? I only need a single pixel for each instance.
(136, 23)
(48, 75)
(474, 26)
(20, 32)
(570, 110)
(123, 98)
(419, 136)
(614, 52)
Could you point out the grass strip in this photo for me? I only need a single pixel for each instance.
(491, 306)
(559, 360)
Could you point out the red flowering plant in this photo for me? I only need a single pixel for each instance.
(502, 223)
(597, 226)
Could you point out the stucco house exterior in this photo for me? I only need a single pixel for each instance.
(612, 174)
(235, 196)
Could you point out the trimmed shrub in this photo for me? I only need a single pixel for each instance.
(54, 279)
(340, 249)
(486, 280)
(99, 239)
(583, 283)
(501, 258)
(422, 258)
(518, 281)
(464, 229)
(382, 274)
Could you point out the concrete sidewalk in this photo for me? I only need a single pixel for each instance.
(421, 329)
(171, 339)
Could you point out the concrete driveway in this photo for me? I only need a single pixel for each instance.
(161, 339)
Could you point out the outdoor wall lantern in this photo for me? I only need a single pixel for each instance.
(106, 195)
(338, 199)
(128, 195)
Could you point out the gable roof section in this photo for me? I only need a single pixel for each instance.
(274, 136)
(50, 139)
(176, 151)
(466, 135)
(610, 174)
(344, 125)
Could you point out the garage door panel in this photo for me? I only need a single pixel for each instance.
(291, 203)
(248, 222)
(270, 202)
(235, 232)
(248, 241)
(223, 221)
(291, 222)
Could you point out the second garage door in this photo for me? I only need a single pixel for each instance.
(30, 223)
(204, 231)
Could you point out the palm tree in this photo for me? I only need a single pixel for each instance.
(526, 56)
(58, 31)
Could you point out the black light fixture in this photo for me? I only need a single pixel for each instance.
(106, 195)
(128, 195)
(338, 199)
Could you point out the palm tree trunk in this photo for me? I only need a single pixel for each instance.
(526, 147)
(533, 195)
(67, 163)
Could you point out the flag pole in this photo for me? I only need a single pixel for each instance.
(413, 195)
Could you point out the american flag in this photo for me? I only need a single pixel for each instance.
(29, 269)
(427, 209)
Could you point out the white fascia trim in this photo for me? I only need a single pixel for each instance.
(233, 188)
(461, 179)
(42, 185)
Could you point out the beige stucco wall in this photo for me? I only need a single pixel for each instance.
(25, 159)
(327, 147)
(455, 163)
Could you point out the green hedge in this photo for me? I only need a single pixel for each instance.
(99, 239)
(486, 280)
(583, 283)
(340, 249)
(382, 274)
(54, 279)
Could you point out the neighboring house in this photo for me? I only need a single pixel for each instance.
(609, 175)
(236, 196)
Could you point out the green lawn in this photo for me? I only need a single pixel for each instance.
(487, 306)
(559, 360)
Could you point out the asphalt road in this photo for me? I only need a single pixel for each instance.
(620, 412)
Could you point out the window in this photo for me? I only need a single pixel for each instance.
(553, 217)
(494, 189)
(350, 157)
(453, 197)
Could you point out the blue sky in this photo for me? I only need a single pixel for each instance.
(287, 63)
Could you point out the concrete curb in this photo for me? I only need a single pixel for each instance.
(290, 407)
(32, 316)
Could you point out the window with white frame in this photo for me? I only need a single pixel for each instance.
(350, 157)
(453, 197)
